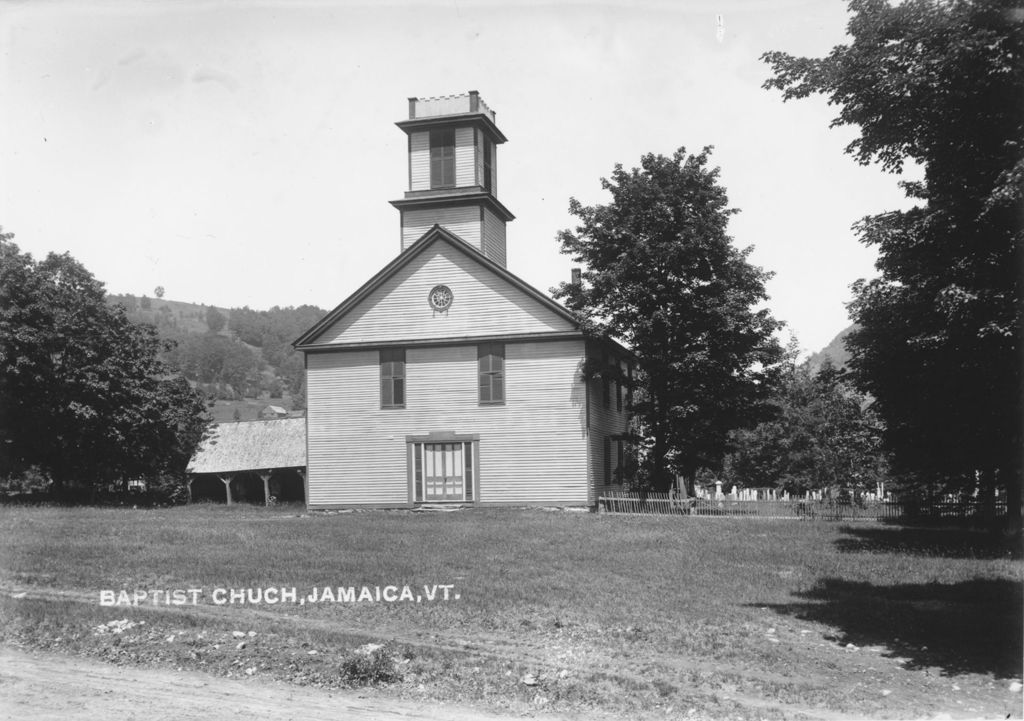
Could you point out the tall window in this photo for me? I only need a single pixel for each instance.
(488, 163)
(620, 388)
(392, 378)
(491, 362)
(442, 158)
(606, 382)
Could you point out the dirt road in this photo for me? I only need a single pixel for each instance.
(38, 686)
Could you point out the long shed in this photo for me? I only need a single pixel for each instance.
(251, 447)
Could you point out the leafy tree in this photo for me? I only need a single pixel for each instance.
(210, 358)
(823, 436)
(663, 277)
(246, 324)
(159, 291)
(83, 394)
(938, 343)
(215, 320)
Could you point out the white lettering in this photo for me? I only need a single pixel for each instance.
(430, 592)
(365, 594)
(270, 596)
(218, 596)
(406, 594)
(237, 595)
(288, 595)
(347, 595)
(390, 594)
(107, 598)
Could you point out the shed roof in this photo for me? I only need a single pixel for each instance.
(252, 446)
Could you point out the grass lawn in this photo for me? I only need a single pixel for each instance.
(572, 612)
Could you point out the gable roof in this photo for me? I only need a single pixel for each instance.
(252, 446)
(435, 234)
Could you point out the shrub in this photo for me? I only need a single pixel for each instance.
(370, 666)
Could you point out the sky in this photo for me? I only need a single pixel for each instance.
(244, 153)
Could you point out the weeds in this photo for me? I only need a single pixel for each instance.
(371, 665)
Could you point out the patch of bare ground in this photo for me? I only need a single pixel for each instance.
(576, 671)
(38, 686)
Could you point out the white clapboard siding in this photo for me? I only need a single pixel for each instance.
(493, 242)
(494, 170)
(464, 221)
(465, 158)
(419, 161)
(484, 304)
(532, 449)
(344, 464)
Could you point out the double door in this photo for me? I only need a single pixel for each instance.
(444, 472)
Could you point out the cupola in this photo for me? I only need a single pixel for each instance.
(453, 173)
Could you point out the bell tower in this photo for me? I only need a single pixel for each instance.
(453, 173)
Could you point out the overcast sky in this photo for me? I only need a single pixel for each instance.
(243, 153)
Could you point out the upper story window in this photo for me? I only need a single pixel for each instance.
(621, 389)
(442, 158)
(392, 378)
(491, 363)
(488, 165)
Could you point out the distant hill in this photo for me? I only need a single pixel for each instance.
(834, 351)
(241, 357)
(185, 317)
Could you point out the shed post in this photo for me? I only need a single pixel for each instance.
(226, 480)
(188, 486)
(305, 485)
(265, 477)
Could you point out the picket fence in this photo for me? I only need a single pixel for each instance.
(634, 502)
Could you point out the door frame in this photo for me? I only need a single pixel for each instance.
(470, 481)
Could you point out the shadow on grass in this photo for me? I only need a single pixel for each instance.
(924, 541)
(968, 627)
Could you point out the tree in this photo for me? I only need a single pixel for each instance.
(83, 394)
(663, 277)
(215, 320)
(823, 436)
(159, 291)
(211, 358)
(938, 343)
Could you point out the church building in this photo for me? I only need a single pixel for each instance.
(446, 378)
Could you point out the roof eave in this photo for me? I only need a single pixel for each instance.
(471, 198)
(442, 121)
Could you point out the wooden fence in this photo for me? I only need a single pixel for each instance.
(634, 502)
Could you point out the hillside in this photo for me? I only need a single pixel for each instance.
(241, 357)
(834, 351)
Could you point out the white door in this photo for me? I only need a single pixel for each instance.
(443, 472)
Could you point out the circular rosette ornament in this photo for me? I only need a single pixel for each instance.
(440, 297)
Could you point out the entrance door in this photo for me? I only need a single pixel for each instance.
(443, 472)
